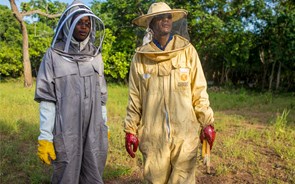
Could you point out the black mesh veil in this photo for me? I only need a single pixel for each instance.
(179, 28)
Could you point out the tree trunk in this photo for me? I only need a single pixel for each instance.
(28, 80)
(262, 59)
(278, 76)
(222, 74)
(227, 70)
(264, 76)
(271, 76)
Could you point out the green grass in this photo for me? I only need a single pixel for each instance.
(255, 135)
(263, 104)
(245, 145)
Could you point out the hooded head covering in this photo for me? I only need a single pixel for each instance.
(157, 9)
(179, 20)
(63, 41)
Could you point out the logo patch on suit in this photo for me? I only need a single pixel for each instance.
(184, 76)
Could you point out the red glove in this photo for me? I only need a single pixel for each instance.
(131, 140)
(208, 133)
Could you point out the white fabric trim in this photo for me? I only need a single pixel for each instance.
(47, 118)
(104, 114)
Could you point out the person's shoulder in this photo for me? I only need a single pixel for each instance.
(144, 48)
(180, 39)
(47, 54)
(181, 42)
(50, 55)
(59, 45)
(135, 56)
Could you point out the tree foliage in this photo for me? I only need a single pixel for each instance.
(40, 36)
(20, 15)
(10, 44)
(242, 43)
(116, 63)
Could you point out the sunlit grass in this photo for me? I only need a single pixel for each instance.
(243, 144)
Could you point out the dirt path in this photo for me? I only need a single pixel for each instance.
(265, 167)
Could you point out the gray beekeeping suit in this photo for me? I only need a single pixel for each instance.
(71, 77)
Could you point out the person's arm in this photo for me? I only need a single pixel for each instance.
(45, 86)
(133, 111)
(200, 96)
(104, 95)
(45, 95)
(134, 101)
(47, 118)
(201, 103)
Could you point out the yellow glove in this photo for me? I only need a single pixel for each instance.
(46, 151)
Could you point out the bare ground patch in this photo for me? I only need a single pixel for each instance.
(265, 166)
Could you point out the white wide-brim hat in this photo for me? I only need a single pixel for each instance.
(157, 9)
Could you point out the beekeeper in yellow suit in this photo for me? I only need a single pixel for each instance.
(168, 103)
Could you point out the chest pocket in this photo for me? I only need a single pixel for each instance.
(66, 77)
(181, 77)
(149, 80)
(63, 67)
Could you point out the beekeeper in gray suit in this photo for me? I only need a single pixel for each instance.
(72, 92)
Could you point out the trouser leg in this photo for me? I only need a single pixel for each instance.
(157, 166)
(66, 171)
(174, 163)
(94, 154)
(183, 160)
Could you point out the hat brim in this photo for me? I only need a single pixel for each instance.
(144, 20)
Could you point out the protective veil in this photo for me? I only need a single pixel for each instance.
(71, 77)
(168, 104)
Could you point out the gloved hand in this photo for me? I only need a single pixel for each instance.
(46, 151)
(208, 133)
(131, 141)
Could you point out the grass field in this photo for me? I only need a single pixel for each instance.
(254, 142)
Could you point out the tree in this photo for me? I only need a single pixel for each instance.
(121, 38)
(28, 81)
(236, 40)
(276, 40)
(10, 41)
(40, 37)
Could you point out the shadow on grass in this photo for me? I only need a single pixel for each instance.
(20, 163)
(19, 160)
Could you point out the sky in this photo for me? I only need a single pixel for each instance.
(18, 2)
